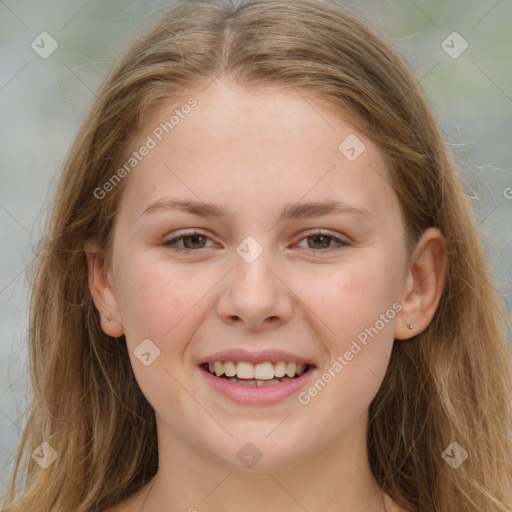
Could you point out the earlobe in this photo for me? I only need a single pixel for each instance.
(424, 284)
(102, 290)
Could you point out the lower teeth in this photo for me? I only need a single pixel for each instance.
(256, 382)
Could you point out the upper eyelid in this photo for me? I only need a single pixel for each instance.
(189, 233)
(311, 232)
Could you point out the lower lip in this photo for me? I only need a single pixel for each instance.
(257, 395)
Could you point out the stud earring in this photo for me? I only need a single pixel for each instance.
(410, 326)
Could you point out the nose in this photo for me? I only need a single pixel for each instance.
(256, 294)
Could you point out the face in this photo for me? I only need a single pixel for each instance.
(313, 286)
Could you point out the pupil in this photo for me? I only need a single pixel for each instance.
(194, 237)
(325, 237)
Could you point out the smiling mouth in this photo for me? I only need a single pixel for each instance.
(260, 374)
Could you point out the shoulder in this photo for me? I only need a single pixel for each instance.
(120, 507)
(391, 505)
(134, 502)
(127, 505)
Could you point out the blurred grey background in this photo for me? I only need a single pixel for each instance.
(44, 97)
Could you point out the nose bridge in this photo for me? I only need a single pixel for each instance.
(255, 293)
(250, 249)
(253, 266)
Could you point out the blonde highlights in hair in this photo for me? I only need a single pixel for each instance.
(452, 382)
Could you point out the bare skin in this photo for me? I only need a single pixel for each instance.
(137, 502)
(252, 153)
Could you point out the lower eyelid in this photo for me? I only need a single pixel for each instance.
(340, 243)
(179, 238)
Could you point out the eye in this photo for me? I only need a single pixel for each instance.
(194, 240)
(322, 241)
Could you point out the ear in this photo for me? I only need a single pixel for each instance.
(102, 290)
(424, 284)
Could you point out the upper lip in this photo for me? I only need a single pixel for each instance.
(263, 356)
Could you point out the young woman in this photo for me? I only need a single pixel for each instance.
(262, 286)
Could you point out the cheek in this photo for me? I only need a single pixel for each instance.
(360, 307)
(164, 303)
(156, 295)
(352, 296)
(158, 305)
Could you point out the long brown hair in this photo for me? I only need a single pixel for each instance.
(450, 383)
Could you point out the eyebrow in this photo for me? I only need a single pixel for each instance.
(290, 211)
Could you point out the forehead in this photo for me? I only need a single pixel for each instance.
(250, 147)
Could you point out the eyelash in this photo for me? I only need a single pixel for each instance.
(342, 243)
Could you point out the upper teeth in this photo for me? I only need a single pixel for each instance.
(260, 371)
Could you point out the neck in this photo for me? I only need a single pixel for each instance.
(335, 479)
